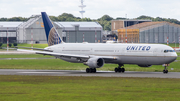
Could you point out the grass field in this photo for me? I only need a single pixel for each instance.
(50, 88)
(34, 45)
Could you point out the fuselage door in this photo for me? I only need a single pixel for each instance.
(119, 50)
(155, 52)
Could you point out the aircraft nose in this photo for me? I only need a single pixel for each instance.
(171, 58)
(174, 57)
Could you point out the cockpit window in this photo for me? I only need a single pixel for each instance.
(165, 51)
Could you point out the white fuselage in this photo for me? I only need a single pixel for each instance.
(140, 54)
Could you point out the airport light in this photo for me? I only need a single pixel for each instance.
(179, 41)
(95, 36)
(7, 40)
(175, 39)
(31, 38)
(126, 28)
(83, 37)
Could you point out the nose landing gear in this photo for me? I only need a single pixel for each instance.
(165, 71)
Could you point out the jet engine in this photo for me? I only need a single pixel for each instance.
(95, 62)
(144, 65)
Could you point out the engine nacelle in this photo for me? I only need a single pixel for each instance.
(144, 65)
(95, 62)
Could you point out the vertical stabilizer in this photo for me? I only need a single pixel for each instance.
(51, 33)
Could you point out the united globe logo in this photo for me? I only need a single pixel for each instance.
(53, 37)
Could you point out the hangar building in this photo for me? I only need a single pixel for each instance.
(71, 32)
(116, 24)
(34, 28)
(150, 32)
(77, 32)
(9, 29)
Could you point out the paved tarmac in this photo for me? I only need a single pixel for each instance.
(83, 73)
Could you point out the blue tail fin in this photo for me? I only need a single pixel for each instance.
(51, 33)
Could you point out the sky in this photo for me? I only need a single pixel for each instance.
(94, 8)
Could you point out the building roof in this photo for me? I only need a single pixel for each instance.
(133, 20)
(81, 24)
(149, 25)
(142, 25)
(10, 24)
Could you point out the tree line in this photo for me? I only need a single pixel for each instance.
(14, 19)
(159, 19)
(104, 21)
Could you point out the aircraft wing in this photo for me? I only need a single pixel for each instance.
(35, 48)
(54, 54)
(105, 57)
(68, 55)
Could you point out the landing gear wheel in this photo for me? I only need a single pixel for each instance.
(165, 71)
(87, 70)
(90, 70)
(119, 70)
(123, 70)
(94, 70)
(116, 70)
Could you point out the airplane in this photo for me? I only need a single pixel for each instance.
(95, 55)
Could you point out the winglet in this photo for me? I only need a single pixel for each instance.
(51, 33)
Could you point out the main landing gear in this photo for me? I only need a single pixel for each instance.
(165, 71)
(119, 69)
(90, 70)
